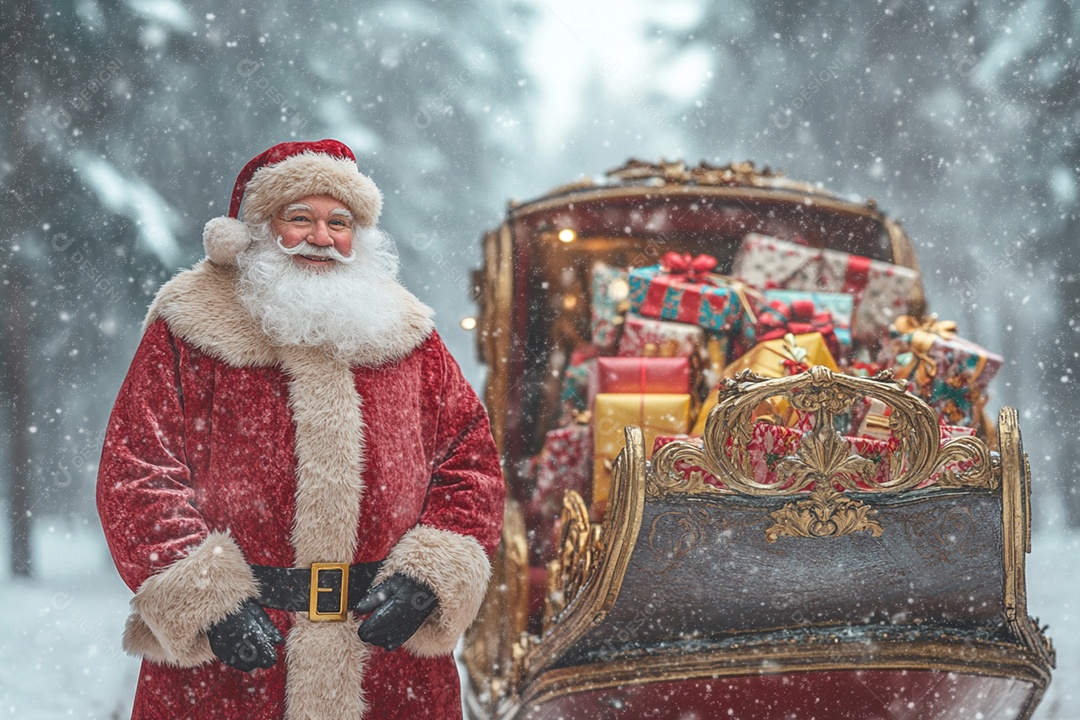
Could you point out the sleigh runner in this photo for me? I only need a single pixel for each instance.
(789, 558)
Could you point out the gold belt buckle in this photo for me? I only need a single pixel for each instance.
(313, 601)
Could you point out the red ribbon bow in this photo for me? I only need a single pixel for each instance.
(794, 367)
(802, 310)
(863, 369)
(798, 318)
(696, 269)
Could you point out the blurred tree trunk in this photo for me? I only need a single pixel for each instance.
(1062, 377)
(15, 42)
(1057, 137)
(16, 380)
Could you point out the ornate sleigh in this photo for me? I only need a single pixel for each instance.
(841, 590)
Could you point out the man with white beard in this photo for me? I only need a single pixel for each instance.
(298, 281)
(295, 459)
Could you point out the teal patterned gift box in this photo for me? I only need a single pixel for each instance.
(950, 373)
(709, 301)
(608, 303)
(840, 305)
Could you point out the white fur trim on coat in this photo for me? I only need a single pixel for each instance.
(173, 609)
(325, 660)
(456, 568)
(201, 308)
(311, 173)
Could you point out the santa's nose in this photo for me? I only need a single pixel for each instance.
(321, 235)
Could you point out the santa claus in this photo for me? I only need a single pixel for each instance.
(295, 459)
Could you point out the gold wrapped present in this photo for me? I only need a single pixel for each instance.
(789, 355)
(655, 413)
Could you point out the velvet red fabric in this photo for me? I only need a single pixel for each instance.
(195, 445)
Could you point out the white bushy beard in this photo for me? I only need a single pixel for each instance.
(342, 307)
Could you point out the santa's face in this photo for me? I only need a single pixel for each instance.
(301, 300)
(315, 231)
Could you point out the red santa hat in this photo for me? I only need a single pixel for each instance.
(283, 174)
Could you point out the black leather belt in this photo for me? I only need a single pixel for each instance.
(326, 591)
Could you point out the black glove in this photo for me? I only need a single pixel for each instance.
(245, 640)
(399, 606)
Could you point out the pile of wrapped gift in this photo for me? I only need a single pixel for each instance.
(665, 336)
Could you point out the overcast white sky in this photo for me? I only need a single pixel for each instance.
(577, 43)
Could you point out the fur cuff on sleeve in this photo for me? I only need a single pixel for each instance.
(456, 568)
(172, 609)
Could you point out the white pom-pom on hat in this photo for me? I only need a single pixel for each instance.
(224, 238)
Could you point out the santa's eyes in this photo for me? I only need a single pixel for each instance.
(336, 223)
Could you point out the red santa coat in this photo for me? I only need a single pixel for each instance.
(224, 451)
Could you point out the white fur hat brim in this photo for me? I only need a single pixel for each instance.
(311, 173)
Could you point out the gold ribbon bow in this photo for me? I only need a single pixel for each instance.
(923, 335)
(909, 325)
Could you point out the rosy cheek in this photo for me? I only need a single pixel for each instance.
(290, 239)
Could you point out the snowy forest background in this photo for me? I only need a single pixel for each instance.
(123, 124)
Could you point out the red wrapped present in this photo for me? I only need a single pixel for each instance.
(684, 289)
(882, 290)
(769, 444)
(948, 432)
(685, 469)
(640, 375)
(565, 463)
(864, 369)
(647, 337)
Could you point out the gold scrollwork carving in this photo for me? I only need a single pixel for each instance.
(579, 552)
(490, 652)
(826, 513)
(823, 457)
(738, 173)
(1045, 644)
(968, 450)
(660, 484)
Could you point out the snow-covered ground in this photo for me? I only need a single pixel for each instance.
(60, 653)
(1053, 580)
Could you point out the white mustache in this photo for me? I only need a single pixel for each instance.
(306, 248)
